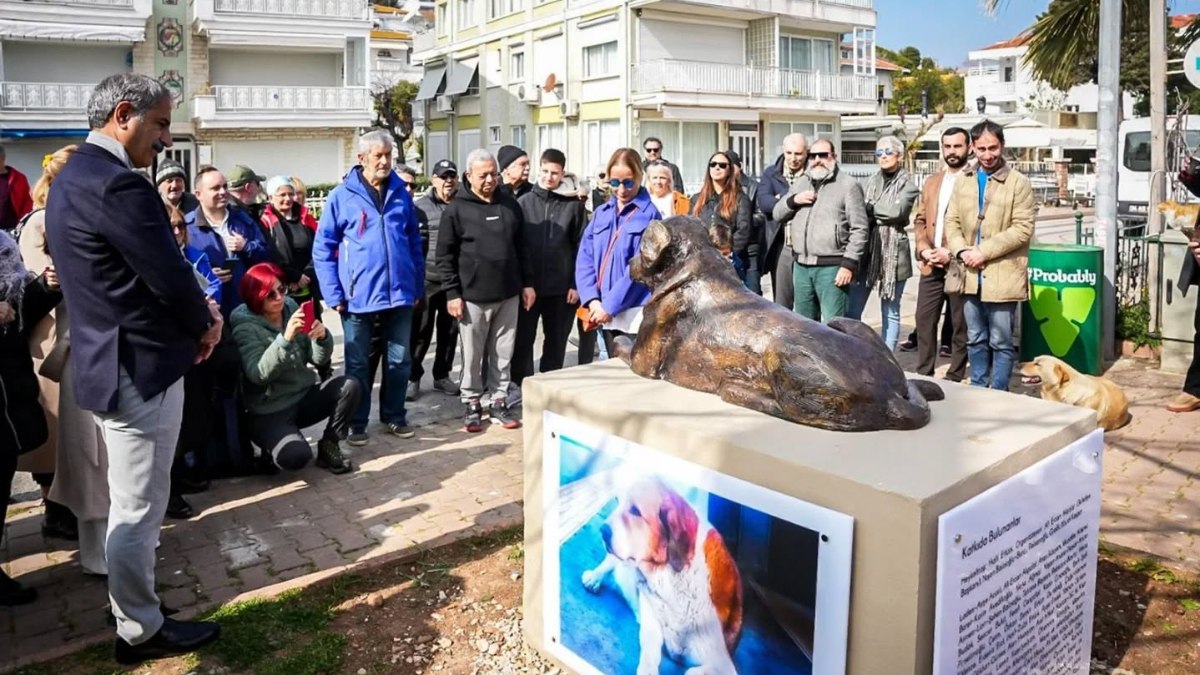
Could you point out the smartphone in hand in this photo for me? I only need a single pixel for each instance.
(310, 316)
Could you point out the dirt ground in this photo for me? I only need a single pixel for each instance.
(456, 610)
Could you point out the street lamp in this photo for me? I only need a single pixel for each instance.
(981, 104)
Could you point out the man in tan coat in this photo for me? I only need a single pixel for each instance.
(929, 226)
(989, 224)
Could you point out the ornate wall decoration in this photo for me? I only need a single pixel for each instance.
(170, 37)
(173, 81)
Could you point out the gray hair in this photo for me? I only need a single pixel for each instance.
(375, 138)
(659, 164)
(795, 137)
(141, 91)
(478, 155)
(404, 168)
(892, 142)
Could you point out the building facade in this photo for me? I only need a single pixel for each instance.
(590, 76)
(280, 85)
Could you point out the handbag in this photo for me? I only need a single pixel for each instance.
(956, 277)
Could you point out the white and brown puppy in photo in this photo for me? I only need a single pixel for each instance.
(676, 574)
(1063, 384)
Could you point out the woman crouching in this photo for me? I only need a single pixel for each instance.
(282, 394)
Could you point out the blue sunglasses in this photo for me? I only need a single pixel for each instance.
(627, 183)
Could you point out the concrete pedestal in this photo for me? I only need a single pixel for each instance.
(895, 484)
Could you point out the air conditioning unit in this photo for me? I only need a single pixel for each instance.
(569, 108)
(530, 95)
(445, 104)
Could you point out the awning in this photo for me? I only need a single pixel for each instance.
(460, 78)
(431, 83)
(43, 133)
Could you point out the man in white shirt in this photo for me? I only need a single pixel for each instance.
(932, 258)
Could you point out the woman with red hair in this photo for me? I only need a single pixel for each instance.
(722, 204)
(282, 394)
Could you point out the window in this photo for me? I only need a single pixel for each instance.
(437, 148)
(518, 135)
(600, 60)
(688, 145)
(467, 141)
(812, 54)
(552, 136)
(441, 19)
(600, 140)
(516, 67)
(494, 135)
(499, 8)
(1135, 156)
(466, 15)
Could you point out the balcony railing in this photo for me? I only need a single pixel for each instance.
(723, 78)
(865, 4)
(295, 99)
(332, 9)
(44, 96)
(86, 3)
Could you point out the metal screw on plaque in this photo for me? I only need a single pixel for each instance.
(958, 538)
(825, 538)
(553, 435)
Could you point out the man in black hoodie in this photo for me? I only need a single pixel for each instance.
(433, 314)
(553, 227)
(487, 275)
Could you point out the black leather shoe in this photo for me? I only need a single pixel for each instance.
(177, 507)
(112, 620)
(189, 486)
(174, 638)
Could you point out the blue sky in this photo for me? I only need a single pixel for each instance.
(947, 29)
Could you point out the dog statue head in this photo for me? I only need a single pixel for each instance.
(668, 246)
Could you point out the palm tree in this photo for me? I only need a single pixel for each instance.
(1062, 41)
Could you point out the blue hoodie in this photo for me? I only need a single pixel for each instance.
(367, 257)
(206, 240)
(616, 292)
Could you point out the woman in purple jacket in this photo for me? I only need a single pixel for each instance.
(611, 240)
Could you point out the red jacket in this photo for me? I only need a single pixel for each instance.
(18, 191)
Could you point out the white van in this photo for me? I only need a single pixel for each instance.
(1133, 165)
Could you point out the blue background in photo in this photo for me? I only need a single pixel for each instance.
(601, 627)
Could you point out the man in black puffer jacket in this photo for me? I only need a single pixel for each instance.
(554, 225)
(432, 315)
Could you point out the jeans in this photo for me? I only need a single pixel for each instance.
(396, 326)
(891, 317)
(990, 325)
(815, 294)
(859, 294)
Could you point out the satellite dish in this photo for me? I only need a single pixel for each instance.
(551, 82)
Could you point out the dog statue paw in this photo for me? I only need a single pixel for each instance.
(592, 579)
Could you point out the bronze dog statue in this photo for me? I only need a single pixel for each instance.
(702, 329)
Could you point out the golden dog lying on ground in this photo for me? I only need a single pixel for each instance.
(1063, 384)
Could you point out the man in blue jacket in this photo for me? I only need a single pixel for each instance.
(228, 236)
(138, 322)
(370, 268)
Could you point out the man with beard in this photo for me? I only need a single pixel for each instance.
(245, 191)
(826, 215)
(932, 258)
(989, 224)
(172, 185)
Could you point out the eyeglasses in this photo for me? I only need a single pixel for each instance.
(275, 293)
(718, 165)
(819, 155)
(885, 152)
(652, 151)
(628, 183)
(449, 176)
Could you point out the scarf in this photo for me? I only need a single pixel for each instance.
(13, 275)
(883, 249)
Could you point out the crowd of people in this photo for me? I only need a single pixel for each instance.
(154, 348)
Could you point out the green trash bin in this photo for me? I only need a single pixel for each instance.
(1062, 317)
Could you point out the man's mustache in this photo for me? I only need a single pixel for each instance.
(158, 146)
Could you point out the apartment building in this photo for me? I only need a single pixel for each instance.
(281, 85)
(391, 45)
(590, 76)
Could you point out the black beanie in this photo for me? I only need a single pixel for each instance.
(509, 154)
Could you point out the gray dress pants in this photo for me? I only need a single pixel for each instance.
(492, 328)
(141, 437)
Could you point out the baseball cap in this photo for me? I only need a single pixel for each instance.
(734, 158)
(242, 174)
(444, 167)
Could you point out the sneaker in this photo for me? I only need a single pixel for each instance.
(473, 419)
(909, 345)
(446, 386)
(503, 416)
(514, 395)
(1184, 402)
(944, 351)
(414, 391)
(358, 438)
(401, 430)
(330, 458)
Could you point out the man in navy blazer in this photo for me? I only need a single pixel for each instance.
(139, 320)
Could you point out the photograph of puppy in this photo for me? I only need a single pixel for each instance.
(657, 575)
(1063, 384)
